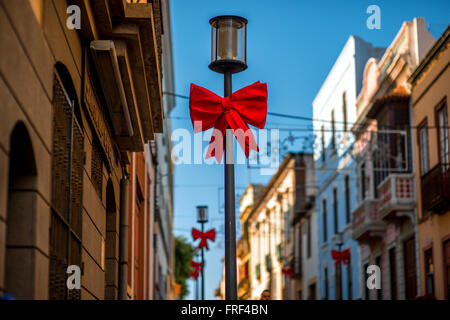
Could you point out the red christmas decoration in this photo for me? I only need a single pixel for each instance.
(204, 236)
(194, 275)
(287, 271)
(197, 266)
(245, 106)
(339, 256)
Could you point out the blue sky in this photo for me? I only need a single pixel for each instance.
(292, 45)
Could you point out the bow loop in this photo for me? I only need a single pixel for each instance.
(247, 106)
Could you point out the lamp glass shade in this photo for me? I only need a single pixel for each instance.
(202, 214)
(228, 44)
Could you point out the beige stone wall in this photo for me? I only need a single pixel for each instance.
(34, 37)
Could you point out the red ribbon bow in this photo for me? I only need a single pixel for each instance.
(339, 256)
(197, 266)
(245, 106)
(211, 235)
(288, 271)
(193, 274)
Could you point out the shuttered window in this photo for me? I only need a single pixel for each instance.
(97, 168)
(67, 187)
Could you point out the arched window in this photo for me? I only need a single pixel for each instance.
(67, 186)
(21, 251)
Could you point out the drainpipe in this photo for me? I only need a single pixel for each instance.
(123, 237)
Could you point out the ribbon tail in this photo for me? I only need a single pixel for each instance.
(243, 134)
(217, 142)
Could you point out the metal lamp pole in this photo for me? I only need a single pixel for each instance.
(340, 243)
(228, 56)
(202, 218)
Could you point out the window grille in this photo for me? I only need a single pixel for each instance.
(97, 168)
(67, 187)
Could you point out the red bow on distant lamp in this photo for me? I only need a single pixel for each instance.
(211, 235)
(339, 256)
(287, 271)
(197, 266)
(194, 274)
(245, 106)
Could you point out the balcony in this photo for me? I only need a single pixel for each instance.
(435, 187)
(396, 197)
(366, 225)
(296, 265)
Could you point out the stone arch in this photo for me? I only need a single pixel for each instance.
(69, 87)
(111, 244)
(21, 252)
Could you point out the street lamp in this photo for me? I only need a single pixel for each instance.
(228, 44)
(339, 242)
(228, 56)
(202, 218)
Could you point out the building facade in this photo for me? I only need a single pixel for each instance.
(267, 215)
(384, 220)
(430, 110)
(335, 169)
(76, 104)
(301, 252)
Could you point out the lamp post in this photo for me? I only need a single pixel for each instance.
(202, 218)
(197, 254)
(228, 56)
(339, 243)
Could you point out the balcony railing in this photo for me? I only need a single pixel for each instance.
(365, 221)
(436, 188)
(396, 194)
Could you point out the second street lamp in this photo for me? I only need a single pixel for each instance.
(202, 218)
(228, 56)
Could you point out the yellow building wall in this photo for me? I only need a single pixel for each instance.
(429, 91)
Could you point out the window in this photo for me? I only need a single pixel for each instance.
(66, 197)
(362, 176)
(347, 199)
(97, 168)
(429, 271)
(366, 277)
(393, 273)
(325, 276)
(308, 238)
(324, 152)
(423, 148)
(349, 279)
(325, 226)
(442, 127)
(379, 291)
(335, 210)
(333, 131)
(446, 246)
(338, 282)
(312, 292)
(344, 111)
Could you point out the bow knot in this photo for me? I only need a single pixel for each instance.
(247, 106)
(204, 236)
(226, 104)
